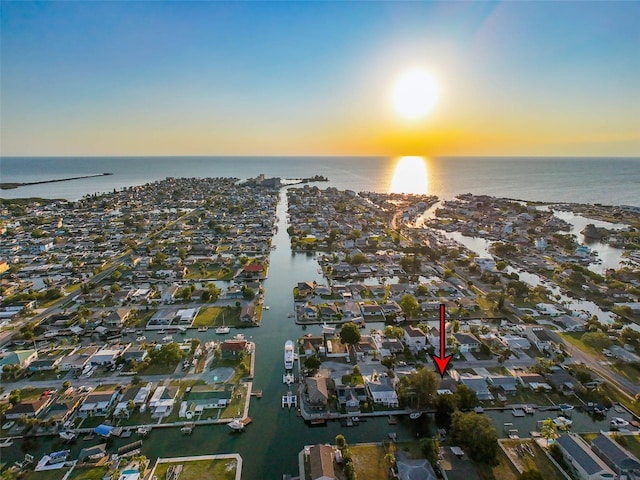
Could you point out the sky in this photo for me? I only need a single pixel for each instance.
(316, 78)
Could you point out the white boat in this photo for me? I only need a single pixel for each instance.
(288, 355)
(167, 338)
(144, 431)
(68, 436)
(202, 329)
(414, 415)
(562, 422)
(236, 424)
(618, 422)
(266, 307)
(288, 378)
(222, 330)
(328, 329)
(564, 408)
(141, 338)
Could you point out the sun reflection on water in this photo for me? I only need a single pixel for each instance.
(410, 176)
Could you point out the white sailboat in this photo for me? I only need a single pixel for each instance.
(222, 330)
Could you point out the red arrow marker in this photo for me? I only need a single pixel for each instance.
(441, 361)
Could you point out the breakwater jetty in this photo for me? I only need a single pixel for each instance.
(12, 185)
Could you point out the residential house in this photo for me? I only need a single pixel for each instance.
(586, 464)
(317, 392)
(28, 408)
(22, 358)
(478, 384)
(533, 381)
(162, 400)
(329, 312)
(414, 338)
(615, 456)
(77, 359)
(46, 363)
(371, 310)
(62, 409)
(321, 458)
(305, 289)
(232, 348)
(350, 396)
(98, 403)
(539, 337)
(562, 381)
(248, 313)
(467, 342)
(506, 383)
(118, 317)
(135, 353)
(105, 356)
(381, 390)
(515, 342)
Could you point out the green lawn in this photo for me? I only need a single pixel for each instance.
(222, 469)
(236, 406)
(214, 316)
(88, 473)
(212, 271)
(631, 443)
(47, 474)
(159, 369)
(44, 375)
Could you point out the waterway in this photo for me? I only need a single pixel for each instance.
(269, 445)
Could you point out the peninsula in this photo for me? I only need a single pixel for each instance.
(12, 185)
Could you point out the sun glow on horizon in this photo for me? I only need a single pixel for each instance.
(415, 94)
(410, 176)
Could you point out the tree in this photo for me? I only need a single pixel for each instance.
(312, 363)
(597, 340)
(66, 384)
(409, 305)
(477, 434)
(548, 431)
(393, 332)
(341, 442)
(465, 397)
(248, 293)
(430, 447)
(350, 334)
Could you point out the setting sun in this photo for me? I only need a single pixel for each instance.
(415, 94)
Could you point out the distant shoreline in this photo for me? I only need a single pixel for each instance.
(12, 185)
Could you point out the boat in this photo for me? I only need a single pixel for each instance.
(288, 378)
(167, 338)
(617, 422)
(67, 436)
(6, 442)
(222, 330)
(564, 408)
(415, 415)
(236, 424)
(562, 422)
(328, 329)
(141, 338)
(288, 355)
(143, 431)
(478, 410)
(203, 329)
(266, 307)
(517, 412)
(528, 409)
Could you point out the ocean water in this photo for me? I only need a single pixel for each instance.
(611, 181)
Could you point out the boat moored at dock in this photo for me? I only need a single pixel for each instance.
(288, 355)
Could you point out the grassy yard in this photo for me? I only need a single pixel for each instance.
(214, 316)
(538, 461)
(631, 443)
(47, 474)
(575, 339)
(236, 406)
(211, 271)
(88, 473)
(223, 469)
(137, 418)
(369, 462)
(44, 375)
(140, 318)
(159, 369)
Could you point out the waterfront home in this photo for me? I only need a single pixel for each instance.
(562, 381)
(28, 408)
(506, 383)
(533, 381)
(350, 396)
(321, 463)
(106, 356)
(62, 409)
(569, 323)
(45, 363)
(98, 403)
(317, 394)
(414, 338)
(131, 394)
(515, 342)
(312, 345)
(21, 358)
(248, 313)
(309, 312)
(162, 400)
(232, 348)
(135, 353)
(586, 464)
(305, 289)
(548, 309)
(615, 456)
(478, 384)
(371, 310)
(381, 390)
(204, 397)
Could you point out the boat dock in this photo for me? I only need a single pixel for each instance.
(517, 412)
(289, 400)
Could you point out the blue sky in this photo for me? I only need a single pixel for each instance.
(520, 78)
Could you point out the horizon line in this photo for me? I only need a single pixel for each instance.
(236, 155)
